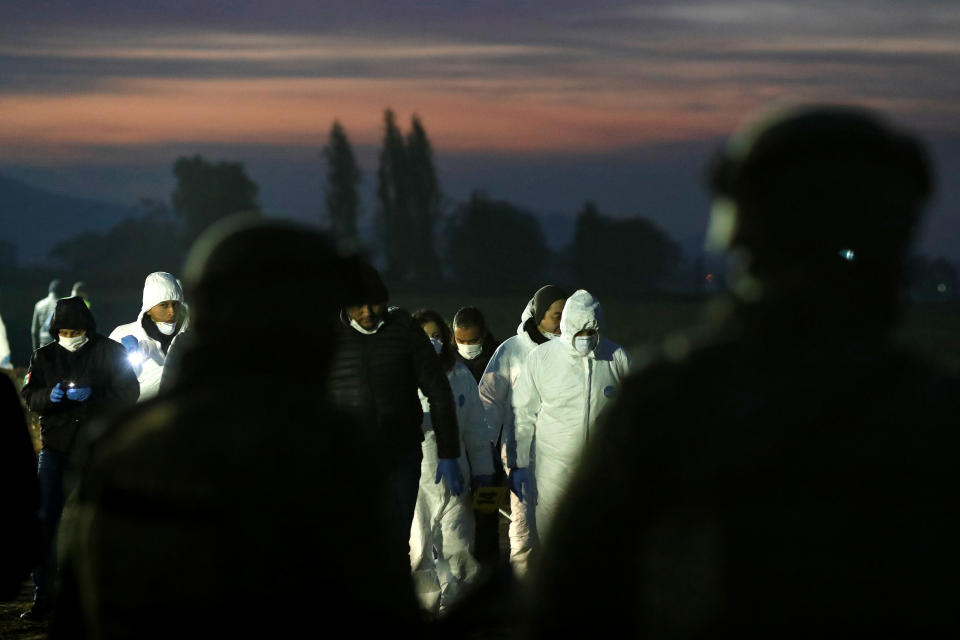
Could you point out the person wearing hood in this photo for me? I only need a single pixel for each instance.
(43, 311)
(78, 376)
(475, 343)
(443, 521)
(382, 360)
(221, 510)
(162, 316)
(5, 361)
(563, 387)
(539, 323)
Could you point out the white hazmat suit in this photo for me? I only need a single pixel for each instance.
(148, 363)
(5, 362)
(496, 394)
(557, 398)
(443, 521)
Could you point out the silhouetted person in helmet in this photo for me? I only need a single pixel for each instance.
(227, 506)
(793, 474)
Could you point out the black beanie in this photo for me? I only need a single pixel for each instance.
(72, 313)
(363, 283)
(545, 297)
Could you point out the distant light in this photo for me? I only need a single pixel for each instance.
(709, 277)
(848, 254)
(942, 288)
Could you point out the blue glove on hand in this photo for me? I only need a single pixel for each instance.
(79, 394)
(56, 394)
(130, 343)
(521, 484)
(449, 470)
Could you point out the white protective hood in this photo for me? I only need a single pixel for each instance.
(526, 315)
(160, 286)
(581, 312)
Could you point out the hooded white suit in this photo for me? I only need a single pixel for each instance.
(557, 399)
(159, 286)
(496, 394)
(443, 520)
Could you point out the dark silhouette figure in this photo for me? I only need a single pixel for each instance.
(230, 505)
(70, 381)
(20, 533)
(793, 473)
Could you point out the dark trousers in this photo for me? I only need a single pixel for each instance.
(50, 472)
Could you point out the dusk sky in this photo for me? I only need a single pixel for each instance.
(547, 104)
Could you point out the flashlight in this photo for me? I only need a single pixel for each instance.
(135, 358)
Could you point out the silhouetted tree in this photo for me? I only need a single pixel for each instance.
(343, 176)
(494, 246)
(629, 255)
(129, 250)
(395, 227)
(206, 192)
(425, 203)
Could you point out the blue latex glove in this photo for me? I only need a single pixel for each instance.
(79, 394)
(483, 480)
(130, 343)
(521, 483)
(449, 470)
(56, 394)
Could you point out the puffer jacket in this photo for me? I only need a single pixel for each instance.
(100, 364)
(375, 378)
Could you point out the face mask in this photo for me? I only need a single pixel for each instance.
(586, 344)
(366, 332)
(469, 351)
(72, 344)
(167, 328)
(437, 345)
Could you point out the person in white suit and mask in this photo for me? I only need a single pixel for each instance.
(162, 316)
(564, 385)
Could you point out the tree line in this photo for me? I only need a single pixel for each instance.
(421, 240)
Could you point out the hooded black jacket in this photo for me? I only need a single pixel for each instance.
(375, 378)
(100, 364)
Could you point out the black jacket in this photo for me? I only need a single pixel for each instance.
(375, 378)
(101, 364)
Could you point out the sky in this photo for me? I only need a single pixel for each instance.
(547, 104)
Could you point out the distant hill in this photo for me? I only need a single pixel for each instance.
(34, 220)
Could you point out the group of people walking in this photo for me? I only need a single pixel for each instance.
(788, 471)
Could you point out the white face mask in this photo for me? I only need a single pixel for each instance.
(167, 328)
(366, 332)
(72, 344)
(469, 351)
(437, 345)
(586, 344)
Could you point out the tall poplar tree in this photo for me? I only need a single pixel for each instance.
(425, 201)
(343, 176)
(395, 227)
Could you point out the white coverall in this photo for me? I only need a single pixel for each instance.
(557, 399)
(158, 287)
(5, 362)
(496, 394)
(441, 520)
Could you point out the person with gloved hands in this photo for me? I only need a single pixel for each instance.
(70, 380)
